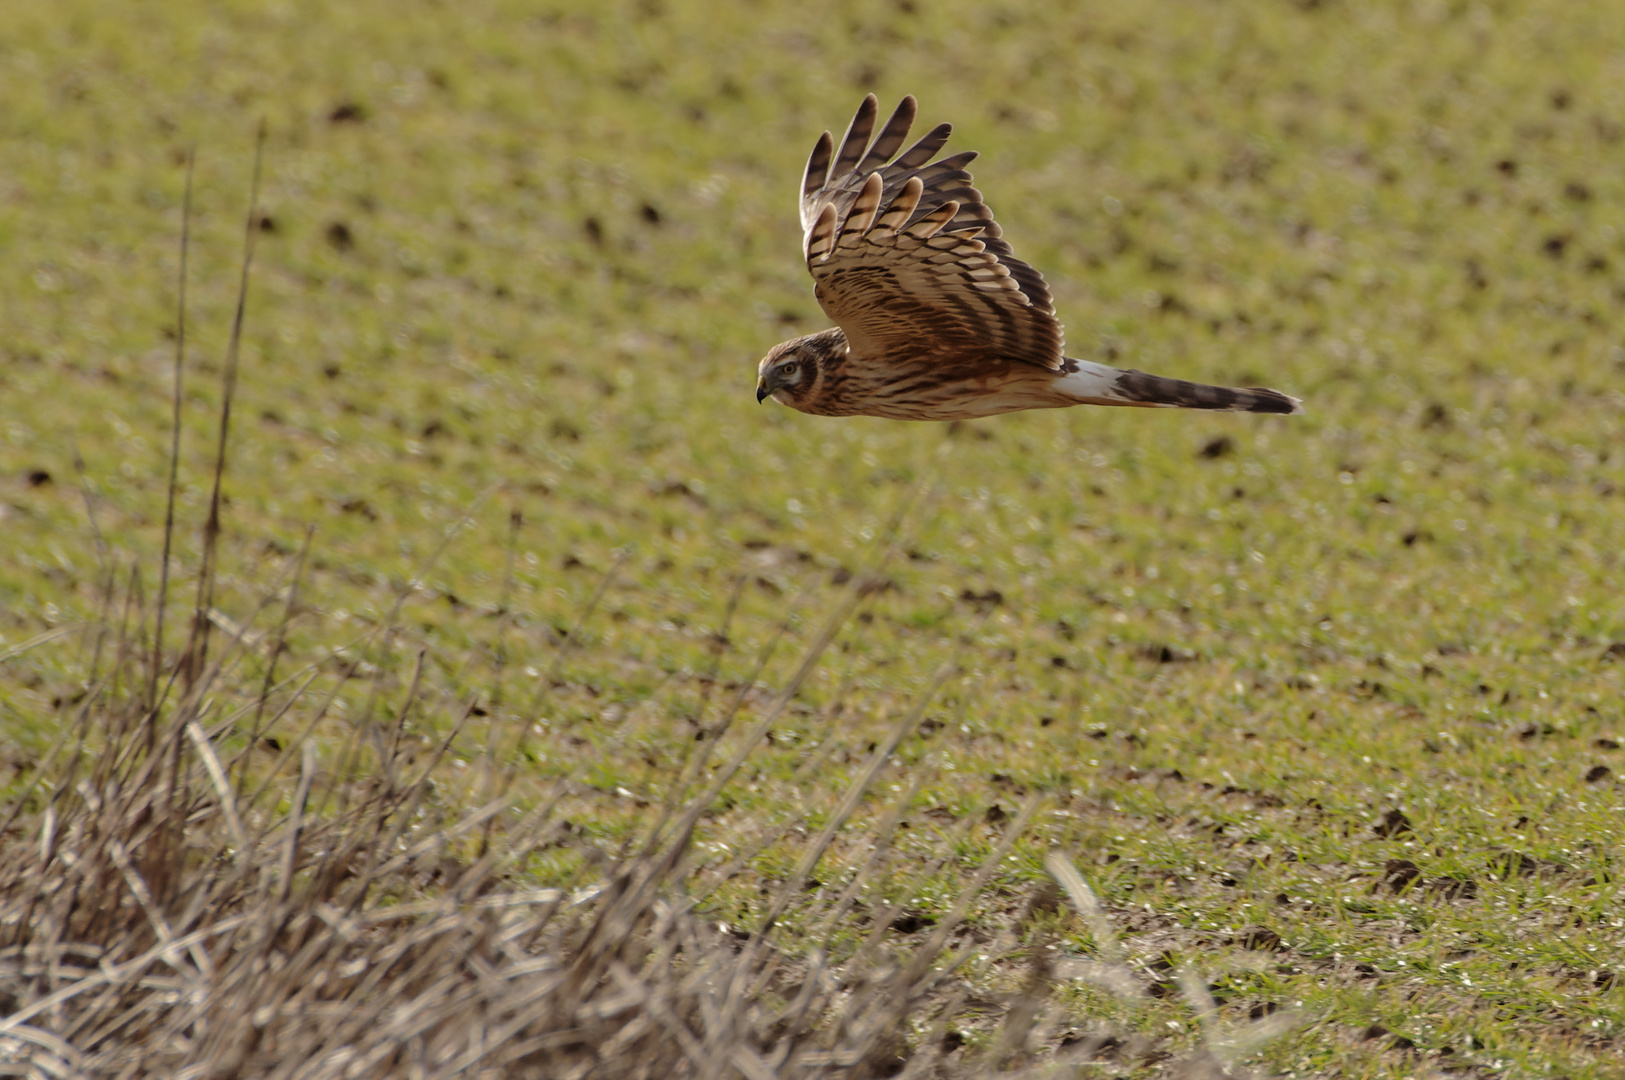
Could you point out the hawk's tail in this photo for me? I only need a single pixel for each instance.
(1098, 384)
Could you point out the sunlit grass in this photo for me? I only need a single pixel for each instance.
(515, 270)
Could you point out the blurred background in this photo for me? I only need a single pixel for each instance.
(515, 264)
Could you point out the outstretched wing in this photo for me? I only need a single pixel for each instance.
(908, 259)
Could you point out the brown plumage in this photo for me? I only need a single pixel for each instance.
(936, 317)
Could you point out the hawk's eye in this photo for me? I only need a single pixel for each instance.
(791, 368)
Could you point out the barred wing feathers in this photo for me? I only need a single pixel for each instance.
(908, 260)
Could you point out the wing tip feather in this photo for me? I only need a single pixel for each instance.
(817, 172)
(856, 140)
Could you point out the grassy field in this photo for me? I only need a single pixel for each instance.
(1327, 707)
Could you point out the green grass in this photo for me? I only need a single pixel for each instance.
(528, 280)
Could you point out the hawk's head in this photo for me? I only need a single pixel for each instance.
(792, 370)
(787, 373)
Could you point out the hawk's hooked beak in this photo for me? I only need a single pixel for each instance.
(761, 392)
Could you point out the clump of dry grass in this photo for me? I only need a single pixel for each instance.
(175, 909)
(156, 922)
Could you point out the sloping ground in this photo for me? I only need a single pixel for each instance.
(1325, 709)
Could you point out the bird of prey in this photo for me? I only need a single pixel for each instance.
(936, 317)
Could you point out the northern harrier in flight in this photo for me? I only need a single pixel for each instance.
(936, 317)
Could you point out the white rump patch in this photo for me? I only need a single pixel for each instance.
(1090, 382)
